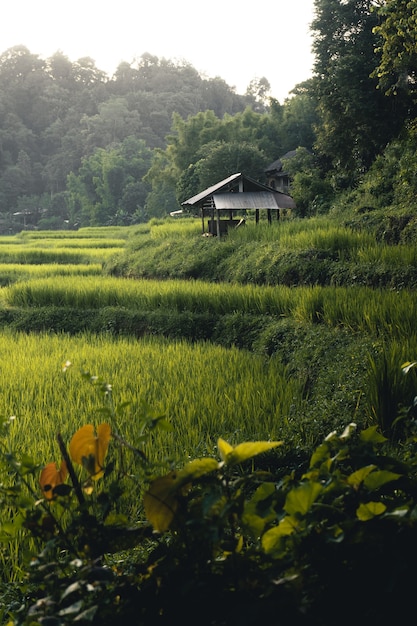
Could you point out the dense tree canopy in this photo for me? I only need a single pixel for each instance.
(80, 147)
(55, 115)
(397, 28)
(356, 119)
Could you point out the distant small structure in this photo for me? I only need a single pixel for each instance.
(236, 194)
(276, 176)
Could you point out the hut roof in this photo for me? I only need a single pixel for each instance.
(253, 200)
(241, 192)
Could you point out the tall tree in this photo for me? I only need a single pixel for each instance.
(218, 161)
(109, 187)
(397, 69)
(356, 119)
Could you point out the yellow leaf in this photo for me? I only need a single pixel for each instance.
(244, 451)
(160, 501)
(197, 468)
(50, 477)
(300, 499)
(272, 539)
(357, 478)
(369, 510)
(224, 448)
(89, 450)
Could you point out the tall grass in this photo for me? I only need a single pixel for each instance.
(389, 391)
(392, 256)
(321, 233)
(195, 296)
(73, 242)
(204, 390)
(176, 228)
(119, 232)
(14, 272)
(27, 255)
(377, 312)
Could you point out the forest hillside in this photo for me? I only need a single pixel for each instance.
(80, 148)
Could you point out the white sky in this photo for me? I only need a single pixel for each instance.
(237, 41)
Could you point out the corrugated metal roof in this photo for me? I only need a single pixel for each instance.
(210, 190)
(248, 200)
(263, 197)
(253, 200)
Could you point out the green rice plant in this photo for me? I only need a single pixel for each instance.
(338, 241)
(203, 390)
(377, 312)
(175, 295)
(14, 272)
(74, 242)
(118, 232)
(176, 228)
(309, 304)
(392, 256)
(26, 255)
(10, 240)
(320, 233)
(389, 391)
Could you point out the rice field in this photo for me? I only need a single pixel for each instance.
(376, 312)
(205, 391)
(99, 232)
(85, 246)
(322, 234)
(14, 272)
(27, 255)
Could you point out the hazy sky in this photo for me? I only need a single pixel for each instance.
(237, 41)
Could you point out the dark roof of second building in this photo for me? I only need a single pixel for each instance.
(276, 166)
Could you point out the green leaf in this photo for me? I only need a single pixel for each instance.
(377, 479)
(369, 510)
(357, 478)
(196, 468)
(272, 539)
(300, 499)
(224, 448)
(258, 511)
(320, 455)
(245, 451)
(160, 501)
(9, 530)
(371, 435)
(28, 465)
(117, 519)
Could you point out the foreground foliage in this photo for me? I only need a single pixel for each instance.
(245, 535)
